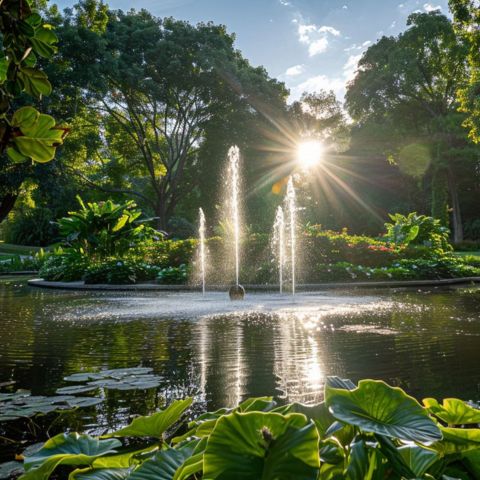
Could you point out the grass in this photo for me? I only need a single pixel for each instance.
(8, 248)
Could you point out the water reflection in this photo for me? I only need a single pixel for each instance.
(426, 342)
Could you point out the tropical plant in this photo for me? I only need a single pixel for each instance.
(418, 230)
(25, 134)
(365, 431)
(105, 229)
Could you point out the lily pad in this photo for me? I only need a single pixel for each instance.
(77, 389)
(135, 378)
(23, 405)
(10, 469)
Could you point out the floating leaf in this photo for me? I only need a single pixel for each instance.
(10, 469)
(76, 389)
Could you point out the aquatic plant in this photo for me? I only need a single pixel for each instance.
(365, 431)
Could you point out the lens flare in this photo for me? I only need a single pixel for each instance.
(309, 153)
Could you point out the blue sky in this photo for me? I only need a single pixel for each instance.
(308, 44)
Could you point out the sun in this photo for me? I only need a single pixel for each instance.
(309, 153)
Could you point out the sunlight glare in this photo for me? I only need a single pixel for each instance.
(309, 153)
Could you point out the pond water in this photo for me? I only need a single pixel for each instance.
(427, 342)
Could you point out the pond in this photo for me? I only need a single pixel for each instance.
(426, 341)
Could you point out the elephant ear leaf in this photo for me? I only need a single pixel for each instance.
(154, 425)
(376, 407)
(262, 445)
(66, 449)
(37, 136)
(453, 411)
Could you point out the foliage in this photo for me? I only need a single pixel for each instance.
(369, 431)
(173, 275)
(34, 227)
(22, 264)
(63, 266)
(414, 229)
(406, 86)
(467, 23)
(105, 229)
(25, 133)
(119, 272)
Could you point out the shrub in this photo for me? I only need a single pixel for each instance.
(21, 264)
(173, 275)
(414, 229)
(64, 267)
(119, 272)
(105, 229)
(33, 227)
(370, 430)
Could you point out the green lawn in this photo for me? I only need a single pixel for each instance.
(8, 248)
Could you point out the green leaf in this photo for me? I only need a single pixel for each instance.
(418, 459)
(358, 461)
(3, 69)
(164, 464)
(15, 156)
(453, 411)
(39, 137)
(122, 221)
(266, 446)
(458, 440)
(154, 425)
(66, 449)
(101, 474)
(35, 82)
(376, 407)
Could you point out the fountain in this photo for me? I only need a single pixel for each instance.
(237, 292)
(201, 235)
(291, 208)
(279, 243)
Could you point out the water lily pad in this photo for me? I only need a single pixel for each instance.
(10, 469)
(83, 377)
(22, 405)
(77, 389)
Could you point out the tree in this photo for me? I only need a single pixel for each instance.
(26, 135)
(467, 23)
(410, 82)
(153, 89)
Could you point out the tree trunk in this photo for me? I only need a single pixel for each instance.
(7, 202)
(457, 226)
(440, 197)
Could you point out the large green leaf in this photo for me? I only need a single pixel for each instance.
(66, 449)
(164, 464)
(266, 446)
(358, 461)
(418, 459)
(376, 407)
(101, 474)
(39, 137)
(458, 440)
(154, 425)
(453, 411)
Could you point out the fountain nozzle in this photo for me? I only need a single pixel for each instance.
(236, 292)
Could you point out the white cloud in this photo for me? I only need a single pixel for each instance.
(323, 82)
(345, 7)
(315, 37)
(429, 7)
(317, 83)
(295, 70)
(285, 3)
(350, 67)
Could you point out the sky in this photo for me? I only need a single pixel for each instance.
(308, 44)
